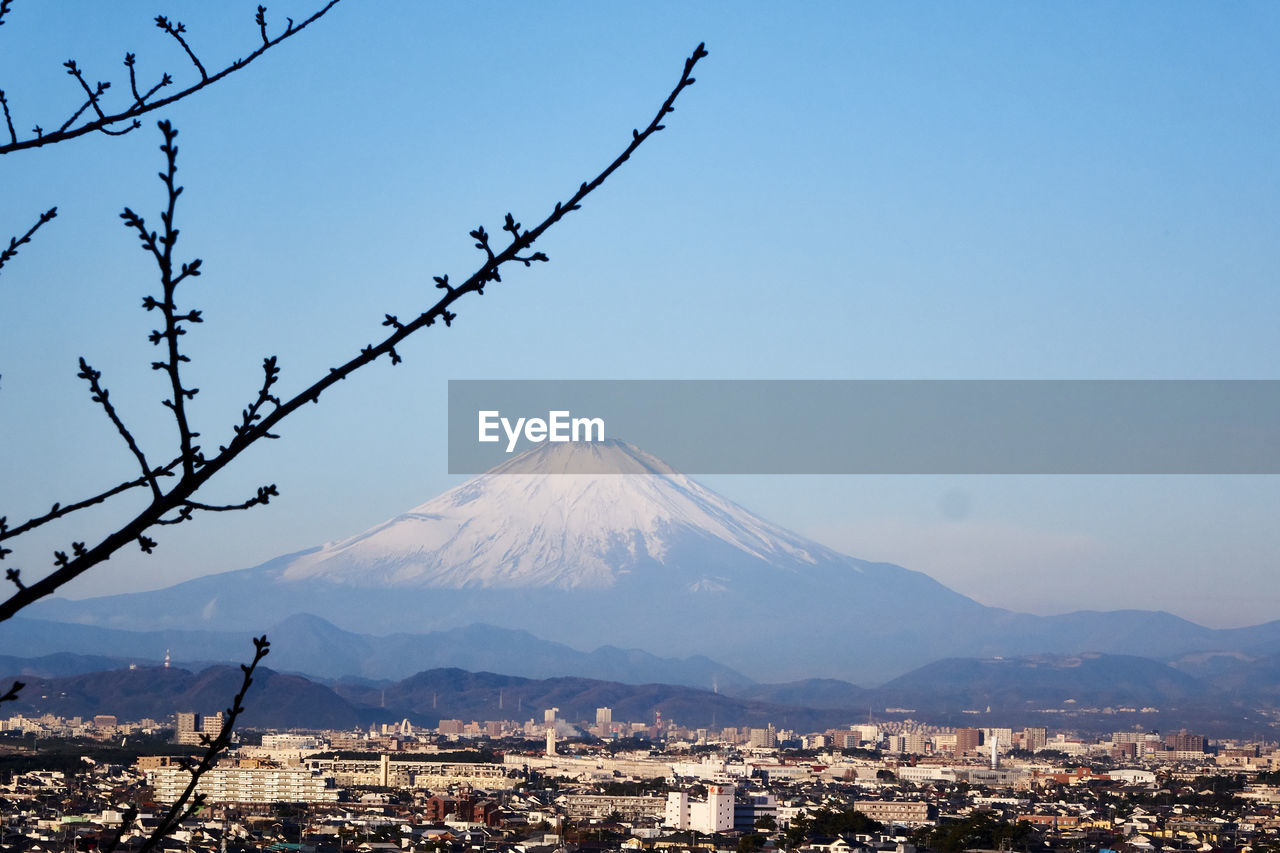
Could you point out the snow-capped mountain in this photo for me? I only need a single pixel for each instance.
(527, 524)
(603, 545)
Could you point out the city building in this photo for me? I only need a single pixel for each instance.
(715, 814)
(895, 812)
(251, 784)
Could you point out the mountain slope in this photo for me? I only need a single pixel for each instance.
(1044, 681)
(1021, 692)
(648, 560)
(519, 527)
(274, 701)
(307, 644)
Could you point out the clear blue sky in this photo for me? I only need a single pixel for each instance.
(851, 190)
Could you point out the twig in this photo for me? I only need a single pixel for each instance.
(139, 100)
(59, 510)
(264, 496)
(8, 119)
(173, 329)
(93, 94)
(101, 396)
(176, 31)
(139, 107)
(261, 20)
(15, 242)
(190, 802)
(197, 471)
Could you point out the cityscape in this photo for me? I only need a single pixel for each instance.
(872, 448)
(549, 784)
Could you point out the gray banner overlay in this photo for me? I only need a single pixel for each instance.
(872, 426)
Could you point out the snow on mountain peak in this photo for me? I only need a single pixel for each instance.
(527, 524)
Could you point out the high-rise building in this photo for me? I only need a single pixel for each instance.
(211, 724)
(193, 727)
(188, 728)
(1185, 742)
(869, 733)
(968, 740)
(1034, 738)
(713, 815)
(245, 784)
(604, 717)
(1003, 737)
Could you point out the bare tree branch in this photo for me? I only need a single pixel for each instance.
(92, 93)
(173, 320)
(101, 396)
(258, 424)
(176, 30)
(103, 121)
(139, 99)
(60, 510)
(13, 692)
(14, 242)
(190, 802)
(8, 119)
(264, 496)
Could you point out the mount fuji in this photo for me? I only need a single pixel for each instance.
(633, 554)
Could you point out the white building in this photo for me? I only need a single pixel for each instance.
(715, 814)
(710, 769)
(289, 742)
(246, 785)
(433, 775)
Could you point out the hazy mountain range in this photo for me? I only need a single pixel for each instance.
(308, 644)
(649, 560)
(1099, 693)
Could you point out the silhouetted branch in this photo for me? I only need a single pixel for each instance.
(103, 121)
(139, 99)
(264, 496)
(190, 802)
(256, 423)
(101, 396)
(93, 95)
(253, 412)
(14, 690)
(173, 329)
(8, 119)
(15, 242)
(59, 510)
(176, 30)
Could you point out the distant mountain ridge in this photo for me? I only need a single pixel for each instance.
(307, 644)
(651, 561)
(1040, 690)
(157, 692)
